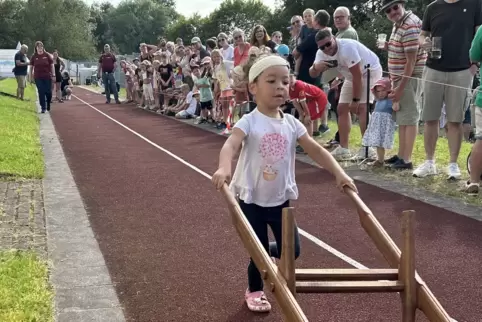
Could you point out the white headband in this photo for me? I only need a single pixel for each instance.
(264, 63)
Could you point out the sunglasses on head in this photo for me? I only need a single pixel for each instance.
(327, 45)
(394, 8)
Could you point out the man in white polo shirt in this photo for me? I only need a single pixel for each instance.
(350, 58)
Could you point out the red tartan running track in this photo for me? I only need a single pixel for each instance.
(174, 255)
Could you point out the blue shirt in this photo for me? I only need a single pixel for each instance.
(383, 106)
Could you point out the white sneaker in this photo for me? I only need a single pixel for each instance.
(341, 153)
(425, 169)
(453, 171)
(361, 155)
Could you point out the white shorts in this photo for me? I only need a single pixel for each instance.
(148, 91)
(346, 94)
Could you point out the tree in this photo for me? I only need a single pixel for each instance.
(10, 14)
(187, 28)
(101, 32)
(59, 24)
(231, 14)
(136, 21)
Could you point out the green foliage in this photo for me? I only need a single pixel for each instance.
(186, 28)
(136, 21)
(80, 32)
(242, 14)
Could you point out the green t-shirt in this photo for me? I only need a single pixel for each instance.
(349, 33)
(205, 93)
(476, 56)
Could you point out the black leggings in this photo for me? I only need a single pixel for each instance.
(259, 218)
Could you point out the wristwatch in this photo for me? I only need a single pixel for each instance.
(356, 100)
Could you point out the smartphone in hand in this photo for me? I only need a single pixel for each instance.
(332, 63)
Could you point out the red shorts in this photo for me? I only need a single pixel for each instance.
(317, 107)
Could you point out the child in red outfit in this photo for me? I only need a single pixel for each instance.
(309, 100)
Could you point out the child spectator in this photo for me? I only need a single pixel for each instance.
(203, 84)
(66, 86)
(155, 80)
(129, 74)
(264, 179)
(188, 108)
(146, 76)
(380, 132)
(310, 102)
(222, 77)
(306, 29)
(166, 77)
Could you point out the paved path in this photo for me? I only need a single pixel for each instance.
(82, 285)
(173, 254)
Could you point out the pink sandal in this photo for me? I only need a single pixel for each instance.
(257, 301)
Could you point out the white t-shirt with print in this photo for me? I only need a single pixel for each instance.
(191, 109)
(350, 52)
(265, 173)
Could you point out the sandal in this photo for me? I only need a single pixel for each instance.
(257, 301)
(376, 164)
(471, 188)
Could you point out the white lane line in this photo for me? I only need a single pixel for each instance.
(312, 238)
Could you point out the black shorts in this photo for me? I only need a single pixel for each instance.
(207, 105)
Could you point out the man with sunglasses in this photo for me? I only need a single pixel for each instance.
(350, 58)
(406, 62)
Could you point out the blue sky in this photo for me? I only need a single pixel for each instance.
(188, 7)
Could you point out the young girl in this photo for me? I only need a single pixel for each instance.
(146, 74)
(264, 180)
(129, 74)
(202, 81)
(222, 77)
(166, 73)
(381, 128)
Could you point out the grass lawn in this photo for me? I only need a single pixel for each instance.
(21, 153)
(438, 184)
(122, 92)
(24, 290)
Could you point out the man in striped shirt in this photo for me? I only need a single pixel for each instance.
(406, 61)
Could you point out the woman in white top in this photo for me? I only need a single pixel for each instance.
(226, 49)
(264, 180)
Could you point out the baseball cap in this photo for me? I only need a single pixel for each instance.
(383, 82)
(195, 40)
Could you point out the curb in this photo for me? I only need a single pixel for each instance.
(78, 273)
